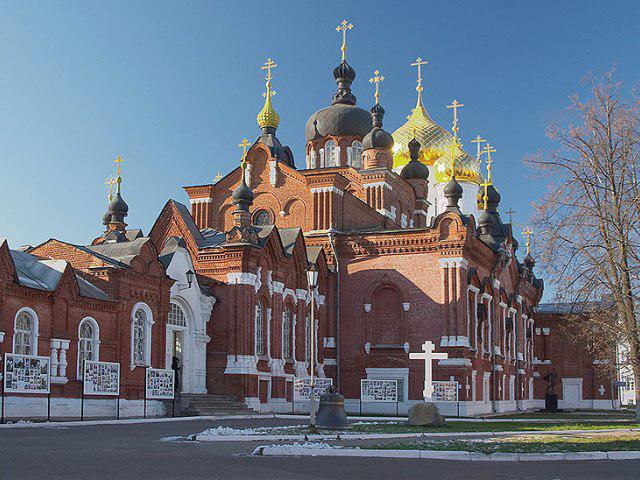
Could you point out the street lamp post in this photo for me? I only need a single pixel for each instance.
(312, 278)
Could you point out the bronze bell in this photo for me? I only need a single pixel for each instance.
(331, 414)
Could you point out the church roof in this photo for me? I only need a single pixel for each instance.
(436, 147)
(45, 274)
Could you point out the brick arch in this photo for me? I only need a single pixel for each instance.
(224, 217)
(267, 200)
(385, 321)
(296, 207)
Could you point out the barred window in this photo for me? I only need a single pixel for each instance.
(356, 154)
(259, 327)
(139, 340)
(87, 344)
(177, 316)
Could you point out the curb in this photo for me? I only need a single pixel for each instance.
(382, 436)
(473, 420)
(288, 450)
(125, 421)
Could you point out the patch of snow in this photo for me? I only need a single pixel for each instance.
(233, 432)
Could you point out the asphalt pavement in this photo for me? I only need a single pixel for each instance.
(162, 451)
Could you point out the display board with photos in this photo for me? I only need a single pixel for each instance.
(26, 374)
(160, 383)
(101, 378)
(378, 391)
(302, 387)
(444, 391)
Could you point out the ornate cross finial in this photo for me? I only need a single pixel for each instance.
(489, 150)
(344, 26)
(479, 140)
(485, 197)
(528, 232)
(418, 63)
(510, 212)
(243, 163)
(455, 105)
(110, 182)
(217, 177)
(268, 65)
(118, 161)
(376, 79)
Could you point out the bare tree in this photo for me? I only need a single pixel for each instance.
(589, 218)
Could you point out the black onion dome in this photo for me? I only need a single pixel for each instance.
(106, 218)
(493, 196)
(242, 193)
(118, 209)
(339, 119)
(453, 189)
(343, 117)
(377, 137)
(414, 169)
(529, 262)
(485, 220)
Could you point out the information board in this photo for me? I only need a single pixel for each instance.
(445, 391)
(302, 387)
(379, 391)
(160, 383)
(101, 378)
(26, 374)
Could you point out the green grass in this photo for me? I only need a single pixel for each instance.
(487, 426)
(608, 415)
(528, 444)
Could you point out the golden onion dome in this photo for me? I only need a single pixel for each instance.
(436, 147)
(268, 117)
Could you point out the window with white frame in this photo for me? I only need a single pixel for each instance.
(139, 340)
(176, 316)
(321, 161)
(332, 153)
(356, 154)
(25, 333)
(259, 328)
(88, 344)
(286, 333)
(472, 316)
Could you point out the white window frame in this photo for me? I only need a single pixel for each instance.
(332, 153)
(503, 316)
(33, 350)
(147, 334)
(356, 154)
(96, 344)
(486, 337)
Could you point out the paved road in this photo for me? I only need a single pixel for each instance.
(137, 451)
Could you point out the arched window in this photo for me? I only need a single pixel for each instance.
(286, 333)
(88, 343)
(262, 218)
(259, 328)
(176, 316)
(356, 154)
(332, 153)
(25, 332)
(321, 161)
(141, 322)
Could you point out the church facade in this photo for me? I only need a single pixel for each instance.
(403, 228)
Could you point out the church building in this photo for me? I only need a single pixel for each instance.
(403, 229)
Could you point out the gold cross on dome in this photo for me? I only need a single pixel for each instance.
(489, 150)
(110, 182)
(376, 79)
(344, 26)
(455, 105)
(528, 232)
(479, 140)
(510, 212)
(118, 161)
(244, 146)
(485, 197)
(217, 177)
(418, 63)
(268, 65)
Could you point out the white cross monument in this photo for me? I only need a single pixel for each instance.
(428, 356)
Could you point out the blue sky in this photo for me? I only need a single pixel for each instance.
(174, 86)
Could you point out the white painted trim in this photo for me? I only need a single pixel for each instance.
(242, 278)
(34, 330)
(96, 344)
(147, 333)
(331, 189)
(378, 184)
(454, 262)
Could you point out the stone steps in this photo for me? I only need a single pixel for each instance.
(192, 404)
